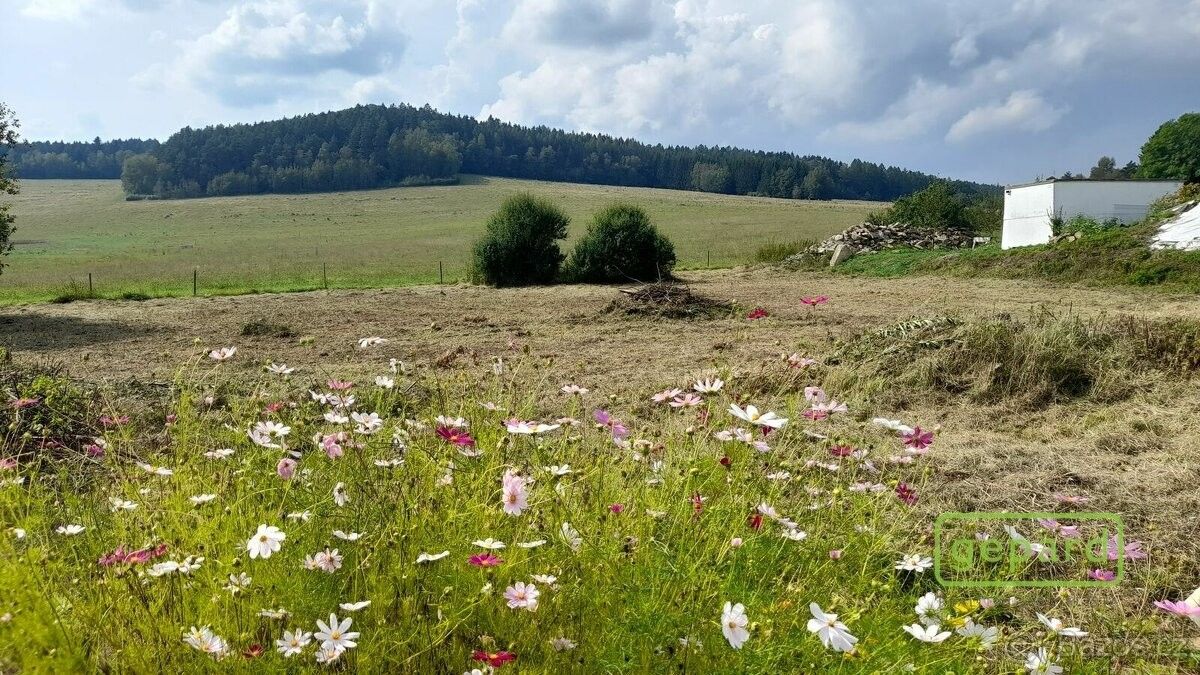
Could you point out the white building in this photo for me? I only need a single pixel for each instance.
(1028, 208)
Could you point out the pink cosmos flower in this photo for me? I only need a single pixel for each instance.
(23, 403)
(1101, 575)
(906, 494)
(286, 468)
(816, 415)
(618, 430)
(616, 508)
(93, 450)
(917, 439)
(835, 554)
(456, 436)
(1133, 550)
(686, 401)
(332, 444)
(841, 450)
(814, 300)
(757, 313)
(339, 385)
(516, 497)
(798, 362)
(484, 560)
(122, 557)
(1179, 608)
(117, 421)
(522, 596)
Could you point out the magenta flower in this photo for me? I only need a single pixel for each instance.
(757, 313)
(917, 439)
(906, 494)
(456, 436)
(616, 508)
(484, 560)
(339, 385)
(1101, 575)
(618, 430)
(814, 300)
(842, 450)
(122, 557)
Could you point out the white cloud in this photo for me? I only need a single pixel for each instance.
(56, 10)
(1023, 111)
(268, 50)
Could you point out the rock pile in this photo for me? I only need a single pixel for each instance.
(868, 238)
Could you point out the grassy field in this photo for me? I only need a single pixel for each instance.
(1038, 398)
(376, 238)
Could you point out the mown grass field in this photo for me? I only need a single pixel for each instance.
(375, 238)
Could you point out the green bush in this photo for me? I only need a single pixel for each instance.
(520, 247)
(621, 244)
(45, 410)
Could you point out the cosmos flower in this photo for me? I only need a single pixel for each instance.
(986, 635)
(456, 436)
(493, 659)
(204, 640)
(280, 369)
(709, 385)
(484, 560)
(1058, 627)
(431, 557)
(285, 468)
(522, 596)
(70, 530)
(266, 541)
(364, 343)
(339, 494)
(733, 624)
(385, 382)
(917, 438)
(914, 562)
(814, 300)
(328, 561)
(1040, 662)
(573, 390)
(686, 401)
(222, 353)
(928, 633)
(757, 313)
(516, 426)
(751, 414)
(833, 633)
(335, 635)
(293, 643)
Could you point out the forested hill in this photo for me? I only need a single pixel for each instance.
(374, 146)
(57, 159)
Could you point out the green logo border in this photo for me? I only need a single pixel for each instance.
(938, 524)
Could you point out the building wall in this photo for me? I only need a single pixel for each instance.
(1127, 201)
(1027, 211)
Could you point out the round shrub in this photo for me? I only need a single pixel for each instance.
(520, 247)
(621, 245)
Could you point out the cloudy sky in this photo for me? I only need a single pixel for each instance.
(988, 90)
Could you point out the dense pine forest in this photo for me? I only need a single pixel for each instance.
(375, 146)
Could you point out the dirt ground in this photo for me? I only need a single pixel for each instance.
(1140, 458)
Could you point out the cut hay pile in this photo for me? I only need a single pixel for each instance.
(668, 300)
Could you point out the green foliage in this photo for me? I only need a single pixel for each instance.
(520, 247)
(774, 252)
(142, 175)
(8, 184)
(1106, 169)
(44, 409)
(1173, 151)
(74, 290)
(937, 207)
(710, 177)
(621, 244)
(371, 146)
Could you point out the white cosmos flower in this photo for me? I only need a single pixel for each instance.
(928, 634)
(914, 562)
(457, 422)
(929, 608)
(70, 530)
(574, 390)
(334, 417)
(368, 423)
(291, 643)
(987, 635)
(274, 614)
(373, 341)
(156, 470)
(222, 353)
(894, 425)
(571, 536)
(348, 536)
(385, 382)
(559, 470)
(354, 606)
(733, 624)
(709, 385)
(489, 543)
(238, 583)
(1040, 662)
(562, 644)
(339, 494)
(19, 532)
(1059, 627)
(336, 635)
(794, 534)
(531, 544)
(753, 416)
(204, 640)
(328, 561)
(301, 516)
(201, 499)
(522, 596)
(221, 453)
(431, 557)
(519, 427)
(267, 540)
(280, 369)
(833, 633)
(118, 504)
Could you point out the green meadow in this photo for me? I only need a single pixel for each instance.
(68, 229)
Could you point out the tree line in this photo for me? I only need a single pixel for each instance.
(75, 159)
(375, 146)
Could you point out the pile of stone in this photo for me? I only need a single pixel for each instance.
(868, 238)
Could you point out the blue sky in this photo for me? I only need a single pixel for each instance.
(993, 91)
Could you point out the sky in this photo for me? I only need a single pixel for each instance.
(1004, 91)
